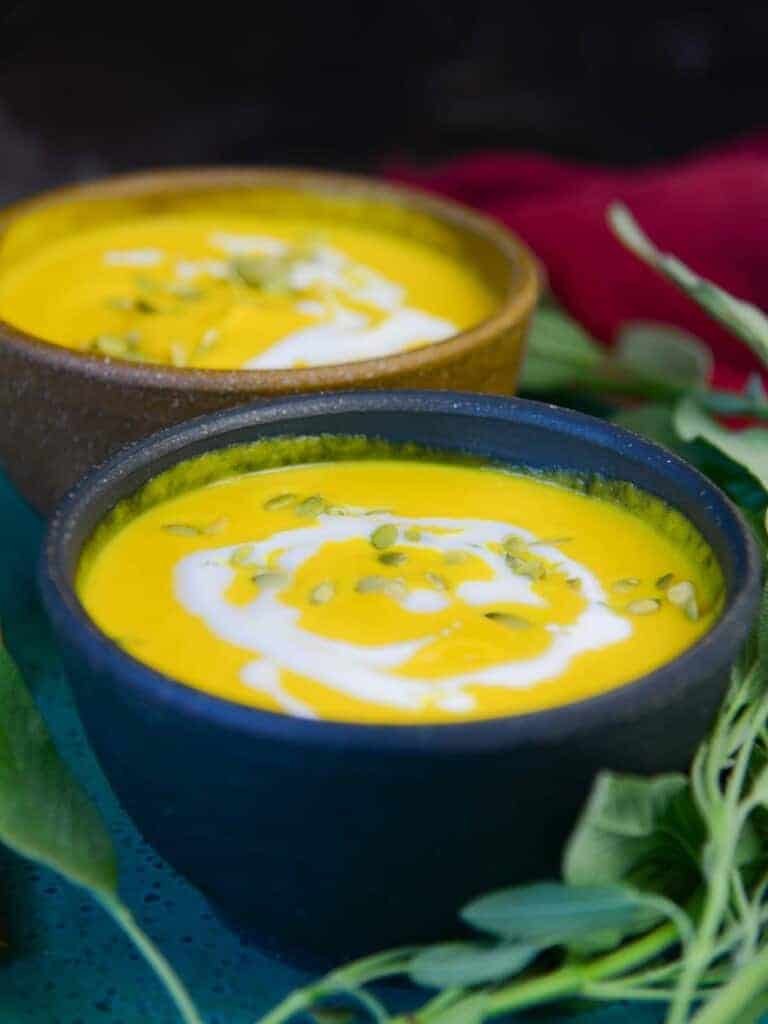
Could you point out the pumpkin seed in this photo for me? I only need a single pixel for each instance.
(512, 544)
(508, 619)
(412, 533)
(384, 536)
(624, 586)
(279, 501)
(393, 558)
(269, 580)
(241, 555)
(179, 354)
(396, 589)
(574, 582)
(436, 580)
(455, 557)
(182, 529)
(311, 506)
(644, 606)
(370, 584)
(109, 345)
(663, 581)
(681, 593)
(322, 593)
(530, 567)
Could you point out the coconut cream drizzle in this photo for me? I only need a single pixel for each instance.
(271, 629)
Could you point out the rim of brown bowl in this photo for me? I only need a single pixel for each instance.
(524, 285)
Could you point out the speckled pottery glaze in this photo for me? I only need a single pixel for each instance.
(63, 411)
(322, 840)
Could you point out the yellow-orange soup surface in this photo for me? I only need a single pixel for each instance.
(388, 590)
(221, 291)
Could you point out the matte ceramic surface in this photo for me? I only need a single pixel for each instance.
(322, 840)
(64, 411)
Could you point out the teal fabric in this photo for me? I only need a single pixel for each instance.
(69, 964)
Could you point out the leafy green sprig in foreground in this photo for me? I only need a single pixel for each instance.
(664, 895)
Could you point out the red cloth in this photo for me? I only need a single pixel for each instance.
(711, 211)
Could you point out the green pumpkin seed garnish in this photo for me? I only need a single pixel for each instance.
(142, 305)
(530, 567)
(188, 292)
(436, 580)
(269, 580)
(241, 555)
(551, 541)
(624, 586)
(508, 619)
(413, 533)
(663, 581)
(393, 558)
(574, 582)
(396, 589)
(644, 606)
(455, 557)
(279, 501)
(311, 506)
(681, 593)
(179, 355)
(512, 544)
(322, 593)
(384, 536)
(208, 340)
(109, 345)
(378, 512)
(182, 529)
(370, 584)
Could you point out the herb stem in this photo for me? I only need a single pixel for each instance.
(732, 999)
(170, 979)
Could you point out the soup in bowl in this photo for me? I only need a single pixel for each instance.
(134, 303)
(335, 644)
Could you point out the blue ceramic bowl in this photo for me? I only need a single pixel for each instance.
(321, 840)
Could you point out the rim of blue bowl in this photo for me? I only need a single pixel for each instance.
(714, 651)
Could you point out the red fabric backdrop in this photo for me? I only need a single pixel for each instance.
(711, 211)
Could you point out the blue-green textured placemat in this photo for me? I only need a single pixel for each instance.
(69, 964)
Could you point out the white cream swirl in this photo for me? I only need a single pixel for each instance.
(368, 672)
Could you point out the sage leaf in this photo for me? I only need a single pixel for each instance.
(659, 351)
(748, 447)
(461, 964)
(551, 914)
(46, 817)
(559, 352)
(745, 320)
(645, 832)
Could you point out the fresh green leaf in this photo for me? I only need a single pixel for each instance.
(748, 447)
(559, 352)
(659, 351)
(45, 816)
(550, 913)
(642, 831)
(461, 964)
(745, 320)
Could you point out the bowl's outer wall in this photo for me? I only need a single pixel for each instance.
(59, 422)
(323, 841)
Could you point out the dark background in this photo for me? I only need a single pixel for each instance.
(88, 88)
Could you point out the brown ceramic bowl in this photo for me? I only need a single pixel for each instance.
(63, 411)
